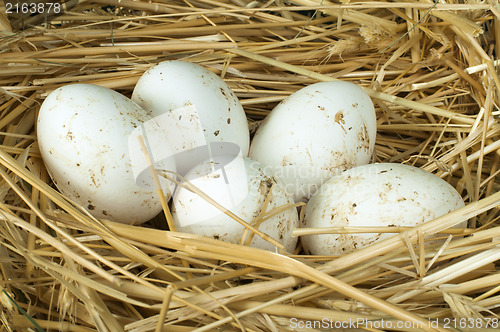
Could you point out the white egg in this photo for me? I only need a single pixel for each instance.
(241, 186)
(172, 85)
(315, 133)
(83, 132)
(384, 194)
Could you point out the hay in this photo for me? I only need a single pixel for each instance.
(431, 71)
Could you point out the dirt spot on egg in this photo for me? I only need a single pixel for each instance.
(216, 133)
(309, 155)
(93, 178)
(265, 185)
(365, 133)
(90, 207)
(363, 139)
(285, 162)
(225, 94)
(339, 118)
(352, 209)
(385, 190)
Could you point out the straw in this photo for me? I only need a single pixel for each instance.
(156, 181)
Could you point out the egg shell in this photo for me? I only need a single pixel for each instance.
(315, 133)
(83, 133)
(374, 195)
(244, 196)
(172, 85)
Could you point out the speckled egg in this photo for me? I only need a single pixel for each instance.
(83, 132)
(374, 195)
(174, 85)
(314, 134)
(241, 186)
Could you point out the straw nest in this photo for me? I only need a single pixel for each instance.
(430, 70)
